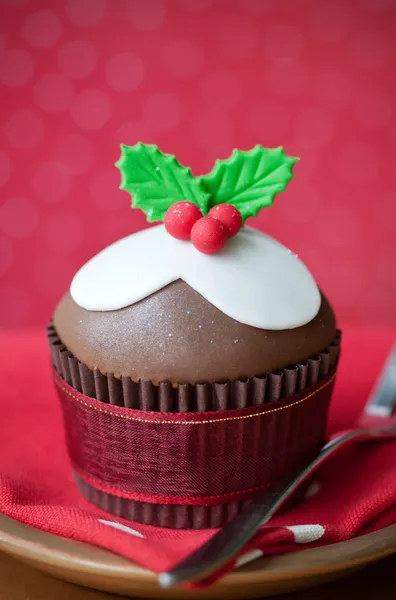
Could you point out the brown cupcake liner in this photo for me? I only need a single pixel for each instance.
(183, 398)
(201, 397)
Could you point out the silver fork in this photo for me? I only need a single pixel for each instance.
(228, 541)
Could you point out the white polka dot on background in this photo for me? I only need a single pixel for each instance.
(18, 217)
(287, 79)
(104, 191)
(75, 152)
(41, 29)
(305, 534)
(283, 42)
(51, 182)
(86, 13)
(7, 254)
(5, 168)
(162, 112)
(313, 128)
(357, 163)
(24, 129)
(69, 224)
(17, 67)
(330, 22)
(182, 57)
(124, 71)
(238, 37)
(91, 109)
(369, 49)
(334, 87)
(148, 15)
(53, 93)
(15, 304)
(373, 108)
(77, 58)
(221, 89)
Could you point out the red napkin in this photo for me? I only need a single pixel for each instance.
(354, 493)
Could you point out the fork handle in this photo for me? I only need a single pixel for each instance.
(225, 545)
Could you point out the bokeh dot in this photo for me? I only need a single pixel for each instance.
(74, 152)
(105, 193)
(268, 121)
(182, 57)
(16, 304)
(283, 42)
(162, 111)
(7, 254)
(238, 37)
(373, 108)
(213, 131)
(86, 13)
(24, 129)
(5, 168)
(148, 15)
(369, 49)
(17, 67)
(330, 22)
(357, 163)
(335, 88)
(62, 221)
(91, 110)
(221, 89)
(41, 29)
(287, 79)
(124, 72)
(52, 274)
(51, 182)
(77, 59)
(313, 128)
(53, 93)
(132, 132)
(19, 217)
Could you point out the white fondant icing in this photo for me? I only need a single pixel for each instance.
(254, 279)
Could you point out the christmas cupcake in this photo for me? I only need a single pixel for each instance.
(194, 360)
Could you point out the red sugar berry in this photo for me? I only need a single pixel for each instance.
(179, 219)
(208, 235)
(229, 216)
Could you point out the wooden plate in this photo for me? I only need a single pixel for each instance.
(96, 568)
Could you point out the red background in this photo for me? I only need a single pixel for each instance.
(197, 77)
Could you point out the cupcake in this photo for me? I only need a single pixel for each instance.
(194, 360)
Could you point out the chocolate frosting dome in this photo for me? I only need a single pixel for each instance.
(177, 335)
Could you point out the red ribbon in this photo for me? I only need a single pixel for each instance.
(191, 458)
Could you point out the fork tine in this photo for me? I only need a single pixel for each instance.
(382, 400)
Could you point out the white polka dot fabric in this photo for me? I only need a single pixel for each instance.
(197, 77)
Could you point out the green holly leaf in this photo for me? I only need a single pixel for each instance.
(249, 180)
(156, 181)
